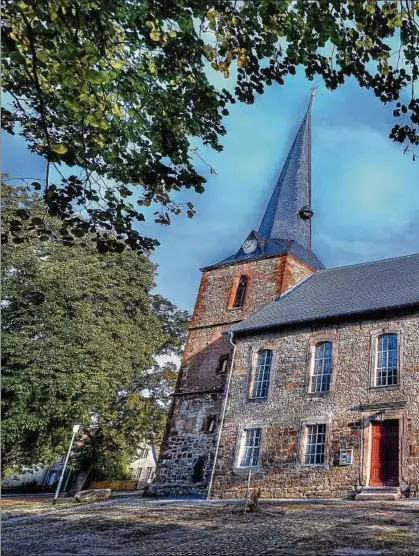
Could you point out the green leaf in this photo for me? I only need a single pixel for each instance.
(155, 35)
(95, 77)
(59, 148)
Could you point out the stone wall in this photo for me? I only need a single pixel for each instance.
(289, 405)
(267, 278)
(187, 456)
(187, 449)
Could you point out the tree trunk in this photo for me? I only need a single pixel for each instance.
(79, 480)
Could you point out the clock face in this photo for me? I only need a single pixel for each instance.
(249, 245)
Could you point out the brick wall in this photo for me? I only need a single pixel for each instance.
(281, 416)
(267, 278)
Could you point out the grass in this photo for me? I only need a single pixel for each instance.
(395, 536)
(20, 507)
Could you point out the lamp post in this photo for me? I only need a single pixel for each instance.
(76, 429)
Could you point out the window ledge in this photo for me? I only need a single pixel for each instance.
(389, 387)
(245, 470)
(318, 394)
(257, 400)
(314, 466)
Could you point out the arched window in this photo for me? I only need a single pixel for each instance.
(387, 360)
(322, 367)
(260, 385)
(240, 292)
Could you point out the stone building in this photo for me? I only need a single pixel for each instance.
(302, 379)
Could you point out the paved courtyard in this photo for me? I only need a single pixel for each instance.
(132, 526)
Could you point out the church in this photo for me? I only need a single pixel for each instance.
(298, 380)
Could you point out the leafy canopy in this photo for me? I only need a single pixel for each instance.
(119, 88)
(80, 336)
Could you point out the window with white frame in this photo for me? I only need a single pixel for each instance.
(143, 453)
(260, 384)
(322, 367)
(250, 448)
(314, 444)
(387, 360)
(147, 473)
(136, 472)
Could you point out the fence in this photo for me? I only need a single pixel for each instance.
(115, 485)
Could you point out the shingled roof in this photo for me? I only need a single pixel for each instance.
(272, 248)
(286, 224)
(341, 292)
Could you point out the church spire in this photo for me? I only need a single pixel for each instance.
(286, 226)
(288, 213)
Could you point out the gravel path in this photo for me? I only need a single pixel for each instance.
(131, 526)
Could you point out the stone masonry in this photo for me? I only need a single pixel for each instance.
(187, 452)
(288, 441)
(348, 410)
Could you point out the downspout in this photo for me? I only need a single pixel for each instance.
(223, 412)
(361, 458)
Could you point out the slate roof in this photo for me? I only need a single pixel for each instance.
(282, 229)
(292, 191)
(340, 292)
(270, 248)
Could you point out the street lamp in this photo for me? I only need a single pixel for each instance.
(76, 429)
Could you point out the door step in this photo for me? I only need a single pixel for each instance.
(379, 493)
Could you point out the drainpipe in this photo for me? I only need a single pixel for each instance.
(361, 455)
(223, 412)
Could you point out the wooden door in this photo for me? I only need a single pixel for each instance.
(385, 454)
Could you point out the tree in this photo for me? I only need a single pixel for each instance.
(118, 88)
(81, 333)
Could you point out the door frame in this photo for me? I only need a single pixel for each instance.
(367, 441)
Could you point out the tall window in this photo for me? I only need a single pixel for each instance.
(322, 367)
(315, 441)
(250, 448)
(387, 360)
(260, 385)
(240, 292)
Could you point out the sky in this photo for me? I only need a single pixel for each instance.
(365, 191)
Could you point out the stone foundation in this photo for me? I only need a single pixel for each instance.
(170, 490)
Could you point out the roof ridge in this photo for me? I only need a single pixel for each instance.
(366, 263)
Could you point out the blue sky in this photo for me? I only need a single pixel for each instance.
(365, 191)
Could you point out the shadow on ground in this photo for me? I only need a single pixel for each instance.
(129, 528)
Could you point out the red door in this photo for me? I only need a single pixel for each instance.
(385, 454)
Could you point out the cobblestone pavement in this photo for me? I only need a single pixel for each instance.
(132, 526)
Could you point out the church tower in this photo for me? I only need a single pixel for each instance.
(271, 260)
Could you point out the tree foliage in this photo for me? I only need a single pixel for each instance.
(119, 87)
(80, 336)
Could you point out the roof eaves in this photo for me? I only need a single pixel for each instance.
(239, 260)
(324, 318)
